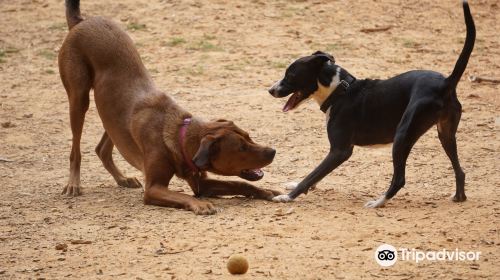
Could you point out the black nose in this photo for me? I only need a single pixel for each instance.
(271, 153)
(271, 91)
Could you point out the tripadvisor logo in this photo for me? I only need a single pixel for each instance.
(386, 255)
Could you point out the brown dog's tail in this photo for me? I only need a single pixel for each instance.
(463, 59)
(73, 16)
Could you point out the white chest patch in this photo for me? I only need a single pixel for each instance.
(323, 92)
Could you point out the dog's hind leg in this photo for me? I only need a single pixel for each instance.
(77, 81)
(447, 128)
(104, 151)
(417, 119)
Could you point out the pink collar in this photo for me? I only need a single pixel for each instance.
(182, 138)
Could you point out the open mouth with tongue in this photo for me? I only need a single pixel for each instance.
(293, 101)
(252, 174)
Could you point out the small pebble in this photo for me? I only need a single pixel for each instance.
(62, 247)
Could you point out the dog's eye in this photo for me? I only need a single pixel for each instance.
(288, 81)
(243, 148)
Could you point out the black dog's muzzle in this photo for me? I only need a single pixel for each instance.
(279, 90)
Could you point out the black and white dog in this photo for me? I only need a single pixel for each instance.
(371, 112)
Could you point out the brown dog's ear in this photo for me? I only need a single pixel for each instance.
(202, 157)
(325, 56)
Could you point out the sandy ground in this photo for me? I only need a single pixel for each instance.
(218, 58)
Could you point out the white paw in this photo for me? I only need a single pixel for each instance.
(282, 198)
(376, 203)
(291, 185)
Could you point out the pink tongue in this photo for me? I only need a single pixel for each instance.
(290, 104)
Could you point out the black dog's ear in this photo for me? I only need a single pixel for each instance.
(202, 157)
(324, 55)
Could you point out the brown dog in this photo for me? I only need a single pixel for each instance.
(149, 129)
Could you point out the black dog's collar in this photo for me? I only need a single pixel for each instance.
(341, 88)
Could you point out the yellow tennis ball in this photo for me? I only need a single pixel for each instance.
(237, 264)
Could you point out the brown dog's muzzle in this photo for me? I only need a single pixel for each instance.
(228, 150)
(257, 174)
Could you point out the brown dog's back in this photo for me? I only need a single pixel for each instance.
(98, 54)
(104, 46)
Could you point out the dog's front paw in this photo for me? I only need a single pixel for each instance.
(269, 194)
(130, 183)
(72, 189)
(202, 208)
(376, 203)
(282, 198)
(291, 185)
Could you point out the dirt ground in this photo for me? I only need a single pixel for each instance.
(217, 58)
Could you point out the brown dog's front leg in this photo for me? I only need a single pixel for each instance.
(159, 195)
(211, 188)
(158, 173)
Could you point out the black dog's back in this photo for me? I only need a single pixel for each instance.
(360, 108)
(371, 125)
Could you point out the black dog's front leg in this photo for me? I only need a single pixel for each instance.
(333, 160)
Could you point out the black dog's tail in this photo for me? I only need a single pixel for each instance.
(470, 38)
(73, 16)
